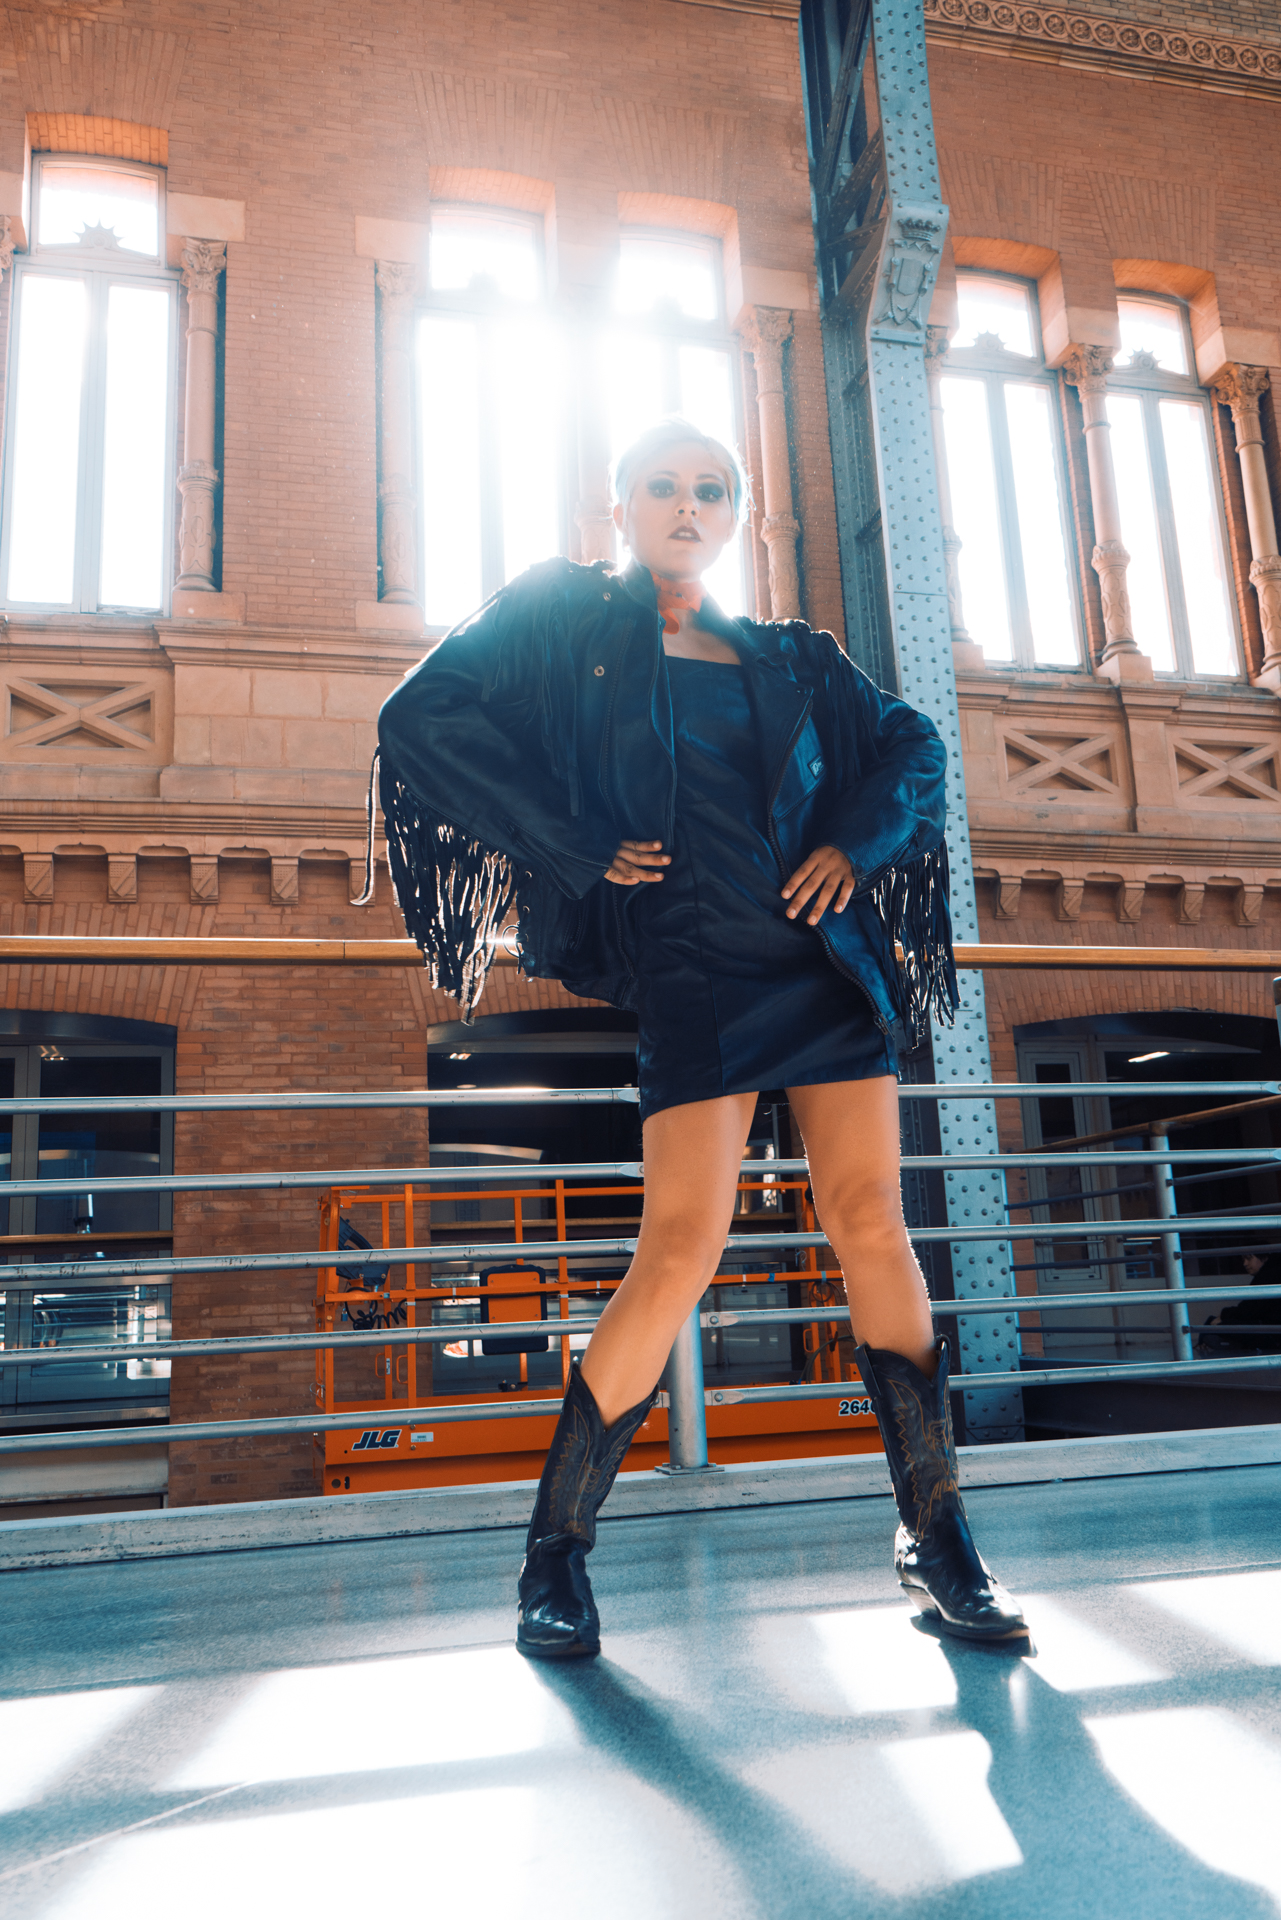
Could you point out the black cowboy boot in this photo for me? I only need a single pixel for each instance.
(557, 1618)
(934, 1556)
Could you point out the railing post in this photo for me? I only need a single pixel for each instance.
(686, 1408)
(1171, 1245)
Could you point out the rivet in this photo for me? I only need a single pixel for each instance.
(600, 671)
(605, 596)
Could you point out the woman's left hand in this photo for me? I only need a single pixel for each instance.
(826, 876)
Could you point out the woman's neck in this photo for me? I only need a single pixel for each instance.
(678, 601)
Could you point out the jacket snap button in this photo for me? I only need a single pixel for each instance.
(599, 671)
(605, 596)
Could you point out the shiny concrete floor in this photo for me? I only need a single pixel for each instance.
(346, 1731)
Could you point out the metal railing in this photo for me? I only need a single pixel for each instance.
(685, 1396)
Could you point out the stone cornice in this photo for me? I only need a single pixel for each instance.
(57, 639)
(1132, 48)
(772, 9)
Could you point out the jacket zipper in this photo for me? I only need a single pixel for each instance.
(828, 948)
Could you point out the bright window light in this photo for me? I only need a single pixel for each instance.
(1152, 328)
(44, 1737)
(653, 271)
(527, 385)
(1203, 561)
(72, 199)
(467, 247)
(976, 514)
(374, 1715)
(993, 312)
(53, 327)
(1074, 1657)
(449, 393)
(135, 473)
(1146, 578)
(1034, 458)
(1213, 1785)
(1137, 1059)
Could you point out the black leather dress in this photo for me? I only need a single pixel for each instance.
(733, 996)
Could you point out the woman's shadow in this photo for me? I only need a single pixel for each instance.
(1087, 1849)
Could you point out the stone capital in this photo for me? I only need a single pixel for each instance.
(1087, 368)
(6, 243)
(937, 342)
(764, 331)
(1242, 388)
(202, 263)
(396, 279)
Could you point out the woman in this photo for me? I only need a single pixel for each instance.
(724, 826)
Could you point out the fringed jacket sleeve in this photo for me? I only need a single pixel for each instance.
(889, 820)
(479, 781)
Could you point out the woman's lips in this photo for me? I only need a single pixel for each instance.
(685, 533)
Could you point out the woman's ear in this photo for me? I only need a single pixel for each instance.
(620, 516)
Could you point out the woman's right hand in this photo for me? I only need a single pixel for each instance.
(634, 861)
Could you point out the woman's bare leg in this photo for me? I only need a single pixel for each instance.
(851, 1135)
(692, 1159)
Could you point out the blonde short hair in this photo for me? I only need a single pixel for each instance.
(675, 432)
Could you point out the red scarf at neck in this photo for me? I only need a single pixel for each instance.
(676, 597)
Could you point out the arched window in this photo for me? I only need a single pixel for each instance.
(1005, 465)
(668, 351)
(89, 483)
(491, 409)
(1168, 487)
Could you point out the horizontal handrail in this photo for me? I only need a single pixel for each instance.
(390, 1414)
(507, 1175)
(71, 949)
(587, 1096)
(577, 1325)
(47, 1272)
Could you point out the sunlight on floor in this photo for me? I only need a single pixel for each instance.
(370, 1715)
(858, 1660)
(1213, 1785)
(1073, 1657)
(42, 1738)
(507, 1853)
(1240, 1610)
(907, 1815)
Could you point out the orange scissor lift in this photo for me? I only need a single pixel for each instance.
(371, 1382)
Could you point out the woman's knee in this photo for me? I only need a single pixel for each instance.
(859, 1204)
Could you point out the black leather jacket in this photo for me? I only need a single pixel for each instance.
(539, 734)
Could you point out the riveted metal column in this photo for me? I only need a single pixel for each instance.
(875, 164)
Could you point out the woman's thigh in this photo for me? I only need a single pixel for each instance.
(850, 1129)
(693, 1154)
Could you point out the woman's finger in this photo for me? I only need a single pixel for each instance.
(805, 891)
(824, 899)
(846, 893)
(801, 872)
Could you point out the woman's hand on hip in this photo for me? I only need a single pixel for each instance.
(825, 877)
(635, 861)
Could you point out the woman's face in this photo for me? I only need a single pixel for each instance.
(678, 518)
(1252, 1262)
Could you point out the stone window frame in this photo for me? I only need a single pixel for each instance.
(93, 264)
(1150, 384)
(994, 367)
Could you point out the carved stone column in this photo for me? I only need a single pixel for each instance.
(397, 494)
(1087, 369)
(967, 653)
(763, 336)
(202, 263)
(1242, 388)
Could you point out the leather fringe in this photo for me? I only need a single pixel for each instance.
(912, 903)
(454, 893)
